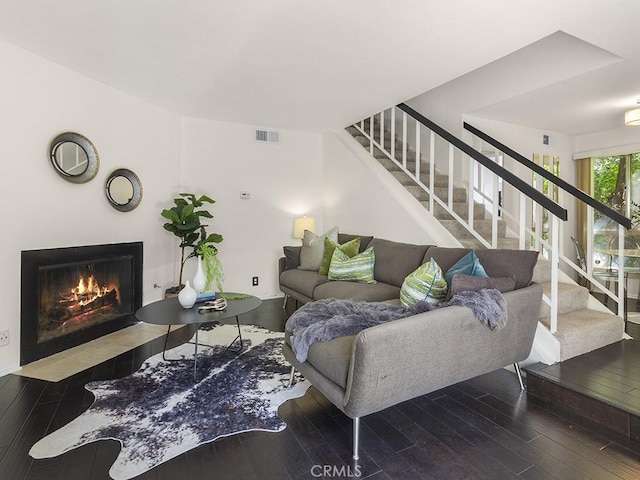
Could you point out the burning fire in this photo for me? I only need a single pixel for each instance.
(88, 290)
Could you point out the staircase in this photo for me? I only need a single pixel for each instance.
(482, 220)
(583, 323)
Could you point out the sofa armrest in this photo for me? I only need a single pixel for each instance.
(403, 359)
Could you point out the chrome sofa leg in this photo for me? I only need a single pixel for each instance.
(356, 437)
(286, 297)
(291, 375)
(517, 367)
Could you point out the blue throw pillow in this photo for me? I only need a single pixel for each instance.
(467, 265)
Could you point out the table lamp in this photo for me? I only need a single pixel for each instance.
(300, 224)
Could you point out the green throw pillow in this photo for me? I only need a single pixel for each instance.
(425, 283)
(351, 248)
(357, 269)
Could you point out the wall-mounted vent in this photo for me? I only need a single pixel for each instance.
(267, 136)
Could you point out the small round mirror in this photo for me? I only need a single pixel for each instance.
(123, 189)
(74, 157)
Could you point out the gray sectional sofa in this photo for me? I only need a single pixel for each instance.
(402, 359)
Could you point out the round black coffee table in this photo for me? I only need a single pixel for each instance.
(169, 312)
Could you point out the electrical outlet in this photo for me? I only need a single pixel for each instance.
(254, 282)
(4, 338)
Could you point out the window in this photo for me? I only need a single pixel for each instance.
(616, 183)
(539, 215)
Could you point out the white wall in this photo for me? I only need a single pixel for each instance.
(40, 99)
(285, 180)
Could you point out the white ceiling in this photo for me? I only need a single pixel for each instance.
(321, 65)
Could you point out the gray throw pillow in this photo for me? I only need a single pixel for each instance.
(313, 248)
(468, 283)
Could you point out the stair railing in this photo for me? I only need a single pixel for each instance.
(592, 205)
(389, 135)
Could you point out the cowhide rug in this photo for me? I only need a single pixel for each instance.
(159, 412)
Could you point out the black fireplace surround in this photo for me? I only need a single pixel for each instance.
(72, 295)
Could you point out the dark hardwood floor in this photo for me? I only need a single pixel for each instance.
(485, 428)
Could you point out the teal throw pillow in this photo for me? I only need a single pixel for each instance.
(355, 269)
(351, 248)
(425, 283)
(467, 265)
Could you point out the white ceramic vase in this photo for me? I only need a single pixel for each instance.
(187, 296)
(200, 279)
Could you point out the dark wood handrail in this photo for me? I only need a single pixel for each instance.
(485, 161)
(567, 187)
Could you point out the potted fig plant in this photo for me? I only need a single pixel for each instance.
(185, 222)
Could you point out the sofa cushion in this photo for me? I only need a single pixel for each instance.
(292, 257)
(395, 260)
(425, 283)
(303, 281)
(356, 269)
(330, 358)
(370, 292)
(501, 262)
(445, 256)
(518, 264)
(347, 237)
(467, 265)
(351, 248)
(313, 248)
(466, 283)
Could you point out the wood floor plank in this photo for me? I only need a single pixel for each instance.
(579, 465)
(549, 423)
(486, 466)
(16, 462)
(472, 431)
(503, 418)
(230, 460)
(535, 456)
(19, 411)
(263, 458)
(393, 437)
(440, 454)
(291, 454)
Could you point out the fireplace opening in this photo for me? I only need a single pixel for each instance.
(76, 294)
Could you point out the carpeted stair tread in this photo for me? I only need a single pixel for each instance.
(571, 297)
(461, 209)
(542, 271)
(394, 167)
(582, 331)
(459, 194)
(482, 226)
(503, 242)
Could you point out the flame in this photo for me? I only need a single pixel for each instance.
(88, 290)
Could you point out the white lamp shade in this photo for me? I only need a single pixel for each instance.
(632, 117)
(300, 224)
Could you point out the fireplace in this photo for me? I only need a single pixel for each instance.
(73, 295)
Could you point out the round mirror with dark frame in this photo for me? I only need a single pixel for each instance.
(123, 189)
(74, 157)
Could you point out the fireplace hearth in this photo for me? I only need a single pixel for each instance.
(73, 295)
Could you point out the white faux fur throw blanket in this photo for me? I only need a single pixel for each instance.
(330, 318)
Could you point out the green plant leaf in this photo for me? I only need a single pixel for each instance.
(170, 215)
(213, 238)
